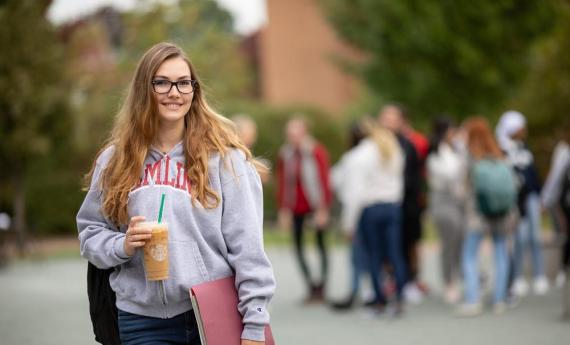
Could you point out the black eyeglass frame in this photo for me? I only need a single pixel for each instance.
(193, 82)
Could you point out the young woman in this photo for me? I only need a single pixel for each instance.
(167, 140)
(374, 170)
(446, 175)
(303, 189)
(512, 132)
(481, 145)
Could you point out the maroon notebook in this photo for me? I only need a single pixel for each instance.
(219, 321)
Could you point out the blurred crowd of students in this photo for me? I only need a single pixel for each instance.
(473, 182)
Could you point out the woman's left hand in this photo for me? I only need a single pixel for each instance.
(251, 342)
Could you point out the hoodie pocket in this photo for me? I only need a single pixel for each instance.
(127, 277)
(186, 264)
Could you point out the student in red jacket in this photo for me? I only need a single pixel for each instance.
(303, 190)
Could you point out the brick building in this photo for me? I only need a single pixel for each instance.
(296, 55)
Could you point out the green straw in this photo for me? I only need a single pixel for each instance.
(161, 207)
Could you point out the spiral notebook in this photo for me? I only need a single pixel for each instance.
(219, 321)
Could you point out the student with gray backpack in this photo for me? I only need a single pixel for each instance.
(490, 208)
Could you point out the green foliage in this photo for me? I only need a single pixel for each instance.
(451, 56)
(34, 112)
(32, 101)
(545, 93)
(203, 30)
(200, 27)
(58, 101)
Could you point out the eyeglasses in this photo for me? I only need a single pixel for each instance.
(163, 86)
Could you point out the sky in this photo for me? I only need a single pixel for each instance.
(249, 15)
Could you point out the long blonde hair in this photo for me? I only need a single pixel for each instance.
(383, 138)
(136, 129)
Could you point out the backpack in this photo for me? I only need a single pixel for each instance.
(494, 187)
(102, 307)
(565, 193)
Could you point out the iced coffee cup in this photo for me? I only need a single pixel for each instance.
(156, 251)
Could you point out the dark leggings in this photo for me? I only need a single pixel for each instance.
(411, 230)
(298, 238)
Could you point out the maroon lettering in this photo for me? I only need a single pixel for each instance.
(154, 172)
(166, 174)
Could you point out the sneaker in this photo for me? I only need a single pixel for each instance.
(520, 287)
(560, 279)
(499, 308)
(540, 285)
(469, 310)
(343, 305)
(316, 296)
(424, 288)
(412, 294)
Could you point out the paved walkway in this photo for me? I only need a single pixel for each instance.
(45, 303)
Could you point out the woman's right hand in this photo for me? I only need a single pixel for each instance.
(136, 236)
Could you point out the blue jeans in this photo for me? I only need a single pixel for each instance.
(471, 269)
(359, 261)
(380, 229)
(528, 234)
(143, 330)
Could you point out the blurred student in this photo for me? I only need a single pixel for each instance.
(303, 190)
(446, 175)
(490, 208)
(392, 117)
(247, 132)
(343, 182)
(556, 196)
(511, 133)
(375, 169)
(420, 142)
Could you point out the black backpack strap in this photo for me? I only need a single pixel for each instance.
(102, 306)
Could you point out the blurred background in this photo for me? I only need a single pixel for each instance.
(65, 65)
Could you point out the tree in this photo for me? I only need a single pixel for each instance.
(545, 93)
(200, 27)
(454, 56)
(32, 97)
(204, 31)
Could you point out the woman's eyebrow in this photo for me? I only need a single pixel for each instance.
(180, 78)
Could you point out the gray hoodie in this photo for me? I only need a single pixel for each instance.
(204, 244)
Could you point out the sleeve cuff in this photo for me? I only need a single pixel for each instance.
(120, 248)
(253, 332)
